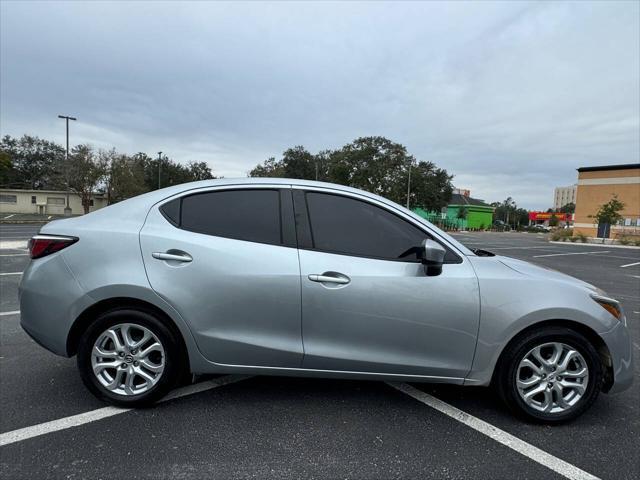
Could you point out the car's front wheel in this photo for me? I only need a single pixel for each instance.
(550, 375)
(128, 358)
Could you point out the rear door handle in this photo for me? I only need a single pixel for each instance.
(172, 257)
(329, 278)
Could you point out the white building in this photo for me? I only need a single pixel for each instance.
(46, 202)
(564, 195)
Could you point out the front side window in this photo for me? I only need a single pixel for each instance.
(251, 215)
(353, 227)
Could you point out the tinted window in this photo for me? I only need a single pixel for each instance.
(171, 211)
(344, 225)
(252, 215)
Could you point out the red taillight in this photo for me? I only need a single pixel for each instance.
(43, 245)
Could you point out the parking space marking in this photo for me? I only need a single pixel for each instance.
(11, 273)
(534, 453)
(13, 312)
(629, 265)
(21, 434)
(9, 216)
(14, 255)
(571, 253)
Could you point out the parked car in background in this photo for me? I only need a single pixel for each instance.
(501, 226)
(540, 228)
(291, 277)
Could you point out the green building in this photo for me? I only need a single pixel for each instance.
(475, 214)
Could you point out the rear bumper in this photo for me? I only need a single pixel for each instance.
(50, 300)
(619, 344)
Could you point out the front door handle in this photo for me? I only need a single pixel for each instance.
(330, 277)
(172, 257)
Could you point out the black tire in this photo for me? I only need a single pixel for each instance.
(173, 363)
(507, 370)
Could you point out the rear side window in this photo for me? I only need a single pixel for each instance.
(348, 226)
(251, 215)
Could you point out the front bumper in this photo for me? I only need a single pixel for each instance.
(619, 344)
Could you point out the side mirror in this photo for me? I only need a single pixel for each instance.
(432, 256)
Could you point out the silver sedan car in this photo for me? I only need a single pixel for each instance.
(291, 277)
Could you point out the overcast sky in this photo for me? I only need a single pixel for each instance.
(509, 97)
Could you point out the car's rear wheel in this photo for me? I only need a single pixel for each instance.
(128, 358)
(550, 375)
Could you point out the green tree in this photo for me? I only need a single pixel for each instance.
(296, 162)
(269, 168)
(431, 187)
(35, 163)
(553, 220)
(199, 171)
(125, 176)
(374, 164)
(86, 172)
(6, 167)
(505, 210)
(568, 208)
(609, 212)
(462, 213)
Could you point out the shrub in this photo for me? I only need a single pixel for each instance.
(561, 234)
(582, 237)
(573, 239)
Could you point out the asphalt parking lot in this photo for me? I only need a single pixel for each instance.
(268, 427)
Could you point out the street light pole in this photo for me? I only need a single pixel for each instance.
(67, 210)
(409, 185)
(159, 165)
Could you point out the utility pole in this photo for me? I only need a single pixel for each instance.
(159, 165)
(409, 185)
(67, 209)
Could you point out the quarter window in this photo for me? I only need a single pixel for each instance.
(251, 215)
(353, 227)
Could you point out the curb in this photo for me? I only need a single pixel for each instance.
(605, 245)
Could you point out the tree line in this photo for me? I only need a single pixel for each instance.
(375, 164)
(30, 162)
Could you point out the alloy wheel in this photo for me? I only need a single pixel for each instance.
(128, 359)
(552, 377)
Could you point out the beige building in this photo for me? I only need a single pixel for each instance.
(598, 185)
(45, 202)
(563, 196)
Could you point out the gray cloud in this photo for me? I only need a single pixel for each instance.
(510, 97)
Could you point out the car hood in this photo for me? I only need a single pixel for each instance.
(530, 269)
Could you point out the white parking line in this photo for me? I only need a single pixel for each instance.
(106, 412)
(534, 453)
(13, 312)
(572, 253)
(11, 273)
(629, 265)
(9, 216)
(14, 255)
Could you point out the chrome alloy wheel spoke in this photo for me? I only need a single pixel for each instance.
(552, 377)
(128, 359)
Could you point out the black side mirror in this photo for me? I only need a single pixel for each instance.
(432, 256)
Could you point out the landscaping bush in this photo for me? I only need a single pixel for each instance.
(561, 234)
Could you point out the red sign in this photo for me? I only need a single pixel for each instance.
(542, 216)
